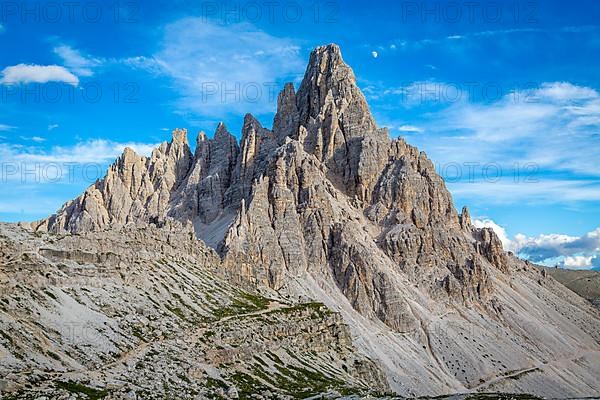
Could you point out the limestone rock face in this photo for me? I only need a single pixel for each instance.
(135, 188)
(326, 206)
(336, 124)
(201, 195)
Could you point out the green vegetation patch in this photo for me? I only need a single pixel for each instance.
(247, 385)
(74, 387)
(245, 304)
(177, 311)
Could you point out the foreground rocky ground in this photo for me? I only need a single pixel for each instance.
(140, 313)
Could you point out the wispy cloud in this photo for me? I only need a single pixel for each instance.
(558, 129)
(36, 139)
(76, 61)
(90, 151)
(410, 128)
(551, 137)
(52, 127)
(406, 44)
(5, 128)
(25, 73)
(221, 70)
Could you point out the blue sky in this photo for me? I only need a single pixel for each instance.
(503, 96)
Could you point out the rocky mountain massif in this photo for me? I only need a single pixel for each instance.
(322, 208)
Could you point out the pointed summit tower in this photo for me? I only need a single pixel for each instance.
(329, 115)
(329, 89)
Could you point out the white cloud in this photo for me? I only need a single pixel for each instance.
(410, 128)
(577, 262)
(573, 252)
(566, 92)
(24, 73)
(244, 65)
(5, 128)
(570, 251)
(52, 127)
(374, 54)
(80, 64)
(38, 139)
(91, 151)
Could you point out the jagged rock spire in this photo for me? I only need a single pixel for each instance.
(465, 219)
(179, 136)
(328, 99)
(330, 117)
(329, 84)
(287, 117)
(202, 192)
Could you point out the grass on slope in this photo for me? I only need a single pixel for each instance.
(584, 283)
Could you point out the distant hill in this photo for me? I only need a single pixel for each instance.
(584, 283)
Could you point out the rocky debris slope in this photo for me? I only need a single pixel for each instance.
(325, 206)
(138, 312)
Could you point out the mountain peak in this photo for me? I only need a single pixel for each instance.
(222, 130)
(128, 152)
(329, 88)
(327, 67)
(201, 137)
(251, 122)
(330, 50)
(180, 136)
